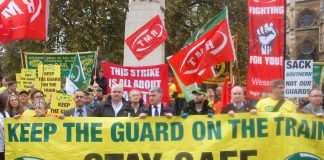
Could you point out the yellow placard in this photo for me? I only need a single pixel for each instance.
(61, 102)
(266, 136)
(27, 77)
(49, 79)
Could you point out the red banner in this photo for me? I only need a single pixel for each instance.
(147, 38)
(141, 78)
(23, 19)
(266, 44)
(213, 48)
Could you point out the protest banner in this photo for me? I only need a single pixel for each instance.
(142, 78)
(65, 60)
(221, 70)
(263, 136)
(266, 45)
(318, 73)
(61, 102)
(298, 77)
(27, 77)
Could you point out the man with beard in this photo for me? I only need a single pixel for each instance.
(198, 106)
(276, 101)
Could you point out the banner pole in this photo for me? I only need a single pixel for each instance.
(285, 38)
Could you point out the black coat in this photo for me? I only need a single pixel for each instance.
(102, 82)
(142, 108)
(105, 109)
(246, 108)
(190, 109)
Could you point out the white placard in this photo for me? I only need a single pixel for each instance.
(298, 77)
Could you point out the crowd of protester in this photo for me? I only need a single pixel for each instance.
(95, 102)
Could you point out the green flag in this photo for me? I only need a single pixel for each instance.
(76, 79)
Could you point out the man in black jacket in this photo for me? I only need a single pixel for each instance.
(114, 105)
(238, 105)
(198, 106)
(102, 82)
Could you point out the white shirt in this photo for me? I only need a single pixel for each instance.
(117, 107)
(2, 141)
(158, 108)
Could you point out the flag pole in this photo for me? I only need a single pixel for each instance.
(21, 58)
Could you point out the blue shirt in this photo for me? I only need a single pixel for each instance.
(77, 113)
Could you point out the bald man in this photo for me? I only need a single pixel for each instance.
(238, 104)
(114, 105)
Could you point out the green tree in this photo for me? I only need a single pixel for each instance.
(82, 25)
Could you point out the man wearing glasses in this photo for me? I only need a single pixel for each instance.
(314, 107)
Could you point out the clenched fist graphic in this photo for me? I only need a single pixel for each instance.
(267, 34)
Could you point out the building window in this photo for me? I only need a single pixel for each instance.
(307, 19)
(307, 51)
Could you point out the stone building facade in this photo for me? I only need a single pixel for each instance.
(305, 29)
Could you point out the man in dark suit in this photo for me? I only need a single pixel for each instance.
(156, 108)
(114, 105)
(80, 109)
(238, 105)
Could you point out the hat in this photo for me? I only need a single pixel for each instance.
(199, 91)
(88, 90)
(23, 92)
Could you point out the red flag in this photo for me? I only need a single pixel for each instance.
(213, 48)
(147, 38)
(225, 99)
(23, 19)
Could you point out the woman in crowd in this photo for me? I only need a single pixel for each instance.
(3, 114)
(13, 105)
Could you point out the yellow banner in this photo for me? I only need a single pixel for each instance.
(266, 136)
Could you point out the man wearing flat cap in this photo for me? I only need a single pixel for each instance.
(198, 106)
